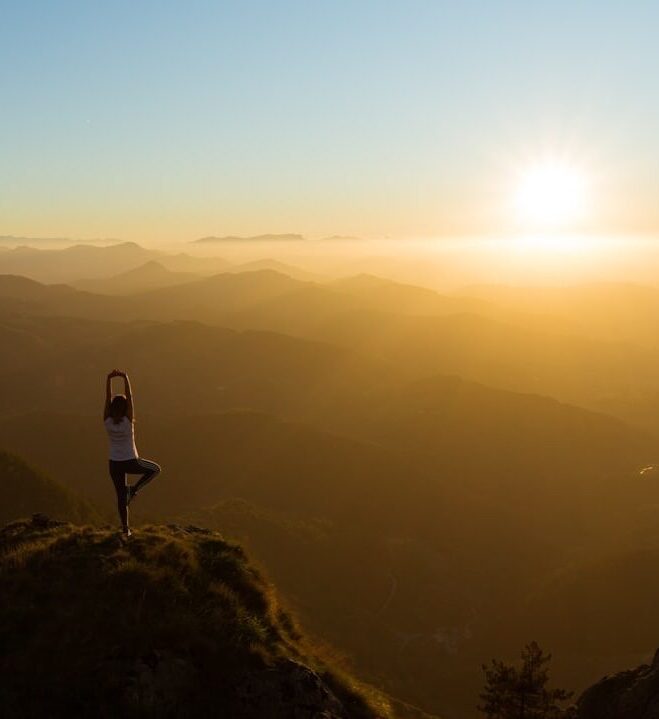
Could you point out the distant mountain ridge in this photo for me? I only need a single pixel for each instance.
(14, 240)
(71, 264)
(278, 266)
(413, 328)
(341, 238)
(286, 237)
(151, 275)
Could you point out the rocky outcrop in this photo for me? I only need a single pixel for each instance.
(154, 681)
(174, 623)
(287, 691)
(630, 694)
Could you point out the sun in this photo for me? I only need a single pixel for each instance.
(550, 195)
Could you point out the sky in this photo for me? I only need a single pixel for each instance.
(175, 120)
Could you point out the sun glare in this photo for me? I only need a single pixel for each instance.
(550, 195)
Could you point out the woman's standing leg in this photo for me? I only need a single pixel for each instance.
(119, 480)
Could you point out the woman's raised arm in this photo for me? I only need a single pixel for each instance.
(130, 412)
(108, 393)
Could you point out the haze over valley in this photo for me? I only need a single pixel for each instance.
(461, 465)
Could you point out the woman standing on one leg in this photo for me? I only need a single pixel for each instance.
(118, 418)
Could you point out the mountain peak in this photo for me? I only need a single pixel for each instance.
(149, 267)
(127, 245)
(174, 622)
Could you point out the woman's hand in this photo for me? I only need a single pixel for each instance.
(116, 373)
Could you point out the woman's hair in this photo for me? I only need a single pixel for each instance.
(118, 408)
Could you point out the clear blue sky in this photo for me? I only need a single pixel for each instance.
(170, 119)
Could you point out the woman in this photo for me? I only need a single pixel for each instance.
(118, 418)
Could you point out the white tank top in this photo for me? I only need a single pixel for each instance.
(122, 439)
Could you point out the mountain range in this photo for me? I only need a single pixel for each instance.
(429, 478)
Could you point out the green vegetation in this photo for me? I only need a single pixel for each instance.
(170, 624)
(512, 693)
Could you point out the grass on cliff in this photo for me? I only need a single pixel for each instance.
(79, 601)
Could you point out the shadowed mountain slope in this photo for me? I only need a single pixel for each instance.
(24, 490)
(418, 557)
(51, 363)
(174, 623)
(472, 439)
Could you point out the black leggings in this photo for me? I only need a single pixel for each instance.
(118, 471)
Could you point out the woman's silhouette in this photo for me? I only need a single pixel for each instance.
(118, 417)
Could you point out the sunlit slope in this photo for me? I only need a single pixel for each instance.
(618, 311)
(371, 291)
(612, 311)
(25, 491)
(176, 623)
(573, 368)
(246, 287)
(270, 296)
(285, 268)
(150, 275)
(568, 366)
(423, 332)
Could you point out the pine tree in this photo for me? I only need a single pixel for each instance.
(512, 693)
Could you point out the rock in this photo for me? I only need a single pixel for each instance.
(42, 521)
(155, 682)
(192, 529)
(288, 690)
(630, 694)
